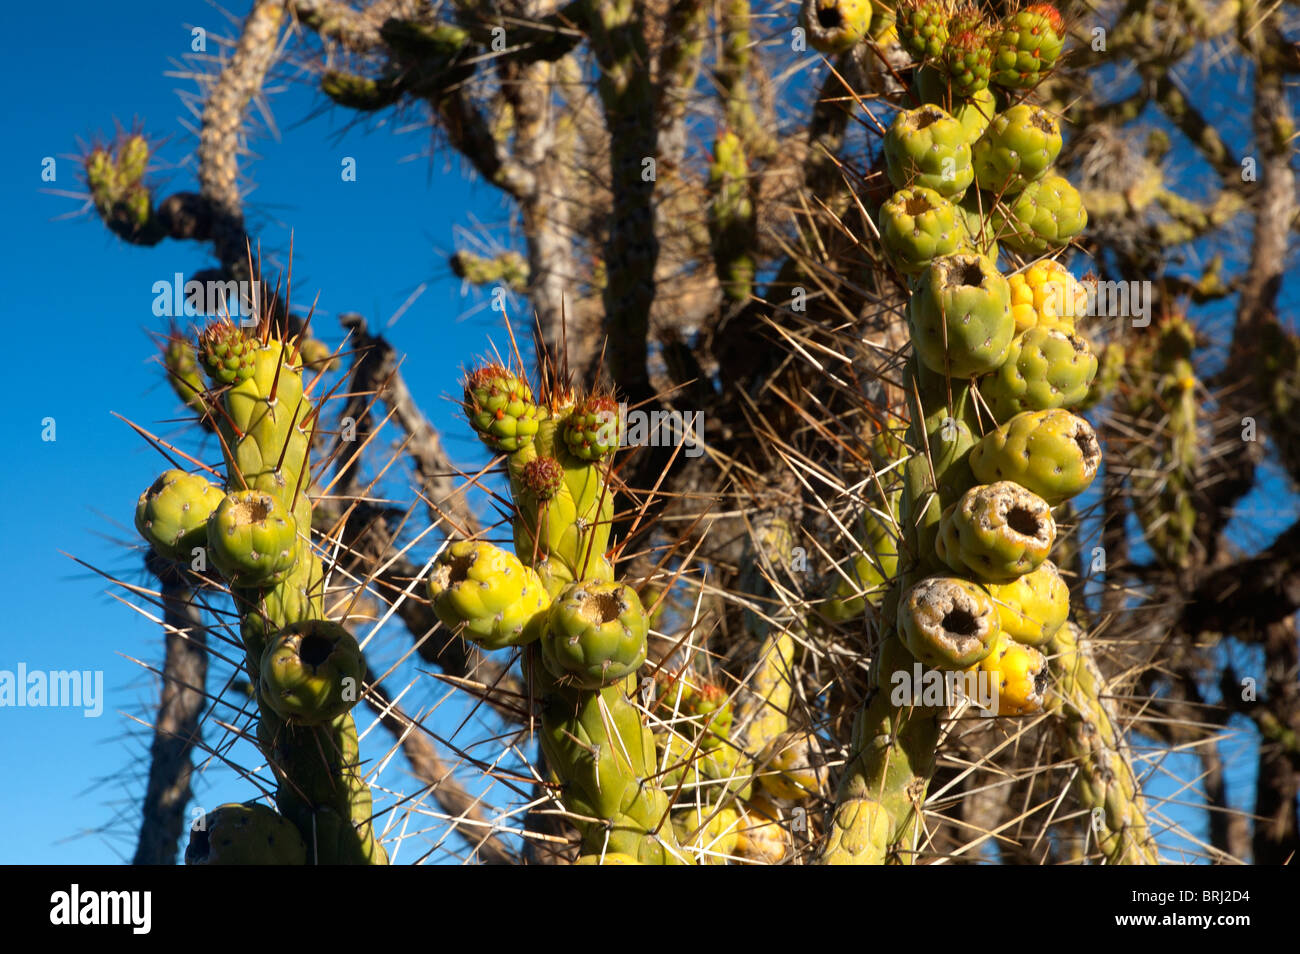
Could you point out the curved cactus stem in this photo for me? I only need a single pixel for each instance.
(1089, 732)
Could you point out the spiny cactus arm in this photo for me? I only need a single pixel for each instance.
(220, 135)
(177, 727)
(358, 30)
(505, 268)
(679, 58)
(733, 80)
(617, 35)
(465, 811)
(1105, 784)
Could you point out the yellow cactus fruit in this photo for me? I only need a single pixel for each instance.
(1046, 295)
(1033, 607)
(761, 838)
(1019, 677)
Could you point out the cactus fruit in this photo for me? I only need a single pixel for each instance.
(1017, 148)
(1053, 453)
(252, 538)
(593, 429)
(1046, 295)
(974, 115)
(948, 623)
(595, 634)
(249, 834)
(923, 26)
(499, 601)
(226, 353)
(960, 316)
(996, 532)
(918, 225)
(928, 147)
(1018, 674)
(835, 26)
(311, 672)
(500, 407)
(791, 768)
(1027, 46)
(172, 515)
(711, 833)
(1045, 215)
(967, 59)
(1044, 369)
(1032, 608)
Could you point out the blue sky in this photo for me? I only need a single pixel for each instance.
(78, 305)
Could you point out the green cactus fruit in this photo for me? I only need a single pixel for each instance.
(1045, 215)
(172, 515)
(1046, 368)
(311, 672)
(248, 834)
(1018, 147)
(595, 634)
(252, 538)
(1027, 46)
(499, 601)
(132, 159)
(996, 532)
(500, 408)
(960, 316)
(1033, 607)
(226, 353)
(835, 26)
(544, 476)
(594, 428)
(181, 362)
(918, 225)
(1053, 453)
(980, 235)
(948, 623)
(101, 177)
(923, 26)
(317, 355)
(967, 59)
(928, 147)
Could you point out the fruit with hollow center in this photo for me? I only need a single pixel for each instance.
(1018, 147)
(252, 538)
(311, 672)
(249, 834)
(498, 601)
(834, 26)
(1053, 453)
(960, 316)
(996, 532)
(918, 225)
(948, 623)
(928, 147)
(172, 515)
(595, 634)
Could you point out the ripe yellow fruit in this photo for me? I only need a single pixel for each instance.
(1046, 295)
(1018, 674)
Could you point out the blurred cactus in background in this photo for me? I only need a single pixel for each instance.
(982, 324)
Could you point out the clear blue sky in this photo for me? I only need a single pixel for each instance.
(77, 305)
(78, 308)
